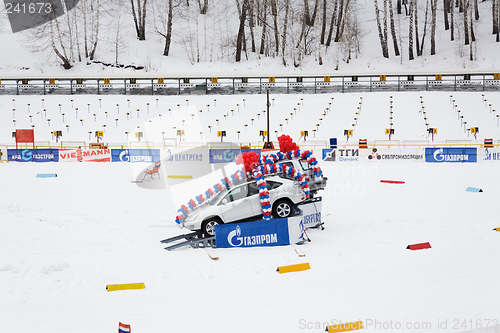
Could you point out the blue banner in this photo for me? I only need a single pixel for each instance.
(253, 234)
(135, 155)
(33, 155)
(451, 155)
(228, 155)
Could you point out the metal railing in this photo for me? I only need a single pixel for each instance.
(304, 146)
(330, 83)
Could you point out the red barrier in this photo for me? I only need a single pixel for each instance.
(420, 246)
(392, 181)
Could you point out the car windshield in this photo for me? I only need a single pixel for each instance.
(305, 165)
(213, 200)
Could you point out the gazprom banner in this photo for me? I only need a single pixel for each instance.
(135, 155)
(253, 234)
(451, 155)
(228, 155)
(33, 155)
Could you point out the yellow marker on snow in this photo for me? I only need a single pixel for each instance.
(128, 286)
(345, 327)
(294, 268)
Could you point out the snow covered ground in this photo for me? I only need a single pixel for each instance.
(64, 239)
(201, 117)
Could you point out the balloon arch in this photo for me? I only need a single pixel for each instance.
(256, 166)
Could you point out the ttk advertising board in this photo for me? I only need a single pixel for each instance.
(228, 155)
(272, 232)
(451, 155)
(135, 155)
(84, 155)
(33, 155)
(311, 212)
(489, 154)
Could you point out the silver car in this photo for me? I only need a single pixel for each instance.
(242, 203)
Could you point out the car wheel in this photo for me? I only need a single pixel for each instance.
(208, 227)
(282, 209)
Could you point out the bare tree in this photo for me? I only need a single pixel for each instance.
(118, 40)
(139, 14)
(471, 57)
(332, 22)
(66, 36)
(274, 12)
(495, 10)
(320, 58)
(251, 22)
(452, 22)
(446, 11)
(381, 35)
(241, 30)
(56, 35)
(494, 13)
(341, 20)
(163, 16)
(410, 31)
(94, 36)
(433, 26)
(203, 4)
(264, 25)
(285, 25)
(323, 23)
(466, 21)
(393, 30)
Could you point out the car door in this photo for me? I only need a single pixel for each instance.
(236, 204)
(253, 194)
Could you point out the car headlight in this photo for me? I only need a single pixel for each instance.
(192, 217)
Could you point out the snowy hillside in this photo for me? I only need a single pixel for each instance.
(206, 43)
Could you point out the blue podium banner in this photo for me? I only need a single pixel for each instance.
(253, 234)
(451, 155)
(33, 155)
(135, 155)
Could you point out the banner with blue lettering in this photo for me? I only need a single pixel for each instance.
(311, 212)
(33, 155)
(451, 155)
(228, 155)
(135, 155)
(491, 154)
(253, 234)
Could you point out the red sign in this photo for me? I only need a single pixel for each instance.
(25, 136)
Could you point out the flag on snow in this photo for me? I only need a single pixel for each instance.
(124, 328)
